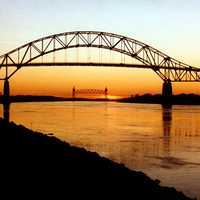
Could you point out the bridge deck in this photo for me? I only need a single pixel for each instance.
(154, 67)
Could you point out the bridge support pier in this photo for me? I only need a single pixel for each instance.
(167, 92)
(6, 100)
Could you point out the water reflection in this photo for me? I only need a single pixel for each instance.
(164, 142)
(167, 120)
(6, 111)
(167, 124)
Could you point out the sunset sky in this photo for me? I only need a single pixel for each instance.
(169, 26)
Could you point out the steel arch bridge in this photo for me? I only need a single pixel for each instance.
(167, 68)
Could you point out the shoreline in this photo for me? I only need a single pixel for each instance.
(43, 161)
(181, 99)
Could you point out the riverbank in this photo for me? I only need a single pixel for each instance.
(180, 99)
(31, 98)
(39, 164)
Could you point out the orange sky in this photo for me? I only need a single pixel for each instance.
(164, 25)
(59, 81)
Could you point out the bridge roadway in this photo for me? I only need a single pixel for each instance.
(96, 64)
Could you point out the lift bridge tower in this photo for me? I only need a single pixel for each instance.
(76, 91)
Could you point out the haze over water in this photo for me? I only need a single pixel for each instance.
(162, 142)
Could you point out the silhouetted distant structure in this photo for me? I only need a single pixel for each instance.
(90, 91)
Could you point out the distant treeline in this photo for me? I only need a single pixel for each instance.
(191, 99)
(31, 98)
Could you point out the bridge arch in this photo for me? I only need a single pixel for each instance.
(167, 68)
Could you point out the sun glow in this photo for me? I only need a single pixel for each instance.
(113, 97)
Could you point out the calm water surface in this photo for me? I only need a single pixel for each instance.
(162, 142)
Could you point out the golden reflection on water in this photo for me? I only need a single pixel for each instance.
(167, 122)
(164, 142)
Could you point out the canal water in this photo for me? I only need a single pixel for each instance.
(162, 142)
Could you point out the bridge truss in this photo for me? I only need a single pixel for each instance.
(167, 68)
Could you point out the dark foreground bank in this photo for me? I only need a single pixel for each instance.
(180, 99)
(37, 165)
